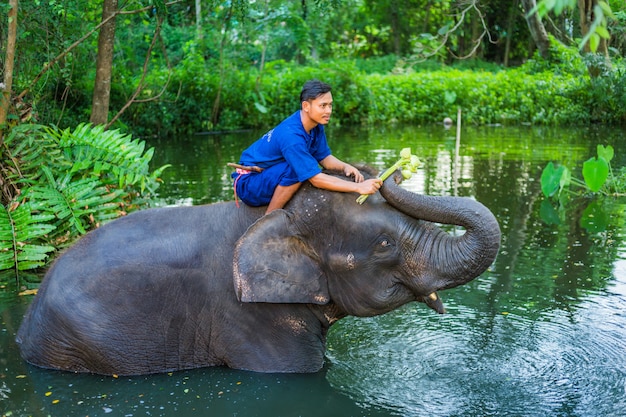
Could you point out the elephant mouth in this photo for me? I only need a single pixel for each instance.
(432, 300)
(399, 294)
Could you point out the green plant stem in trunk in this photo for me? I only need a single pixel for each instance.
(407, 162)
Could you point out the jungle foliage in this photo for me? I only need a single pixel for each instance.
(239, 64)
(64, 183)
(587, 197)
(537, 92)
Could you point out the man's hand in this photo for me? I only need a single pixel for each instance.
(351, 171)
(370, 186)
(332, 163)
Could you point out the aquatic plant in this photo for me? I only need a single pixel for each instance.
(598, 177)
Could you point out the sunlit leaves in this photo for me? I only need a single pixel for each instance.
(554, 179)
(595, 173)
(598, 28)
(606, 153)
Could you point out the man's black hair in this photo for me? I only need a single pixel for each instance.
(312, 89)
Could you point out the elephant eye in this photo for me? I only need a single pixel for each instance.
(385, 243)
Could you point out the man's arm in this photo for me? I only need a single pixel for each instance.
(335, 164)
(331, 183)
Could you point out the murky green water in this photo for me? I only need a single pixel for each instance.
(542, 333)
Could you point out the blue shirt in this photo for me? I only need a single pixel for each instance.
(289, 142)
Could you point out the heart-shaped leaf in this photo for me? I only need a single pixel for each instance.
(606, 152)
(553, 179)
(449, 97)
(595, 173)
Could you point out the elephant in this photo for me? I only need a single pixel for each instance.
(223, 284)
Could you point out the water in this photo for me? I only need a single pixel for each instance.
(542, 333)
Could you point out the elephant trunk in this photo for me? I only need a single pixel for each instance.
(461, 258)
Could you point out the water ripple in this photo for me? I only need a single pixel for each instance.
(565, 363)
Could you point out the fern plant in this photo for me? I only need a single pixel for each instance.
(20, 237)
(107, 154)
(67, 183)
(77, 205)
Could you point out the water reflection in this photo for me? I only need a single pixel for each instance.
(543, 332)
(485, 359)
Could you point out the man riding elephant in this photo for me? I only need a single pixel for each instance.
(292, 153)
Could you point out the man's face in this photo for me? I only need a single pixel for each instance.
(319, 109)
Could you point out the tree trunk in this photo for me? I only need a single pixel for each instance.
(217, 102)
(509, 31)
(537, 30)
(7, 189)
(104, 66)
(7, 87)
(198, 20)
(585, 8)
(395, 28)
(475, 52)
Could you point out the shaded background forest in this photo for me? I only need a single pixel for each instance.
(188, 66)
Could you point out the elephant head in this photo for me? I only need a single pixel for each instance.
(364, 260)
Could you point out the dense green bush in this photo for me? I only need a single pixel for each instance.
(539, 92)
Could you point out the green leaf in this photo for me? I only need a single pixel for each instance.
(261, 108)
(554, 179)
(603, 32)
(594, 41)
(606, 153)
(444, 29)
(549, 4)
(606, 9)
(595, 173)
(114, 157)
(449, 97)
(22, 245)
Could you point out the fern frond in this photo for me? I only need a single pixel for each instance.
(28, 148)
(7, 254)
(96, 151)
(68, 182)
(21, 233)
(74, 203)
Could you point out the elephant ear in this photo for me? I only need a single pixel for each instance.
(273, 264)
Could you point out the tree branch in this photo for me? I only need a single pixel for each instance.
(49, 65)
(471, 4)
(140, 85)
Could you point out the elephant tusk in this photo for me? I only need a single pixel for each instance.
(433, 301)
